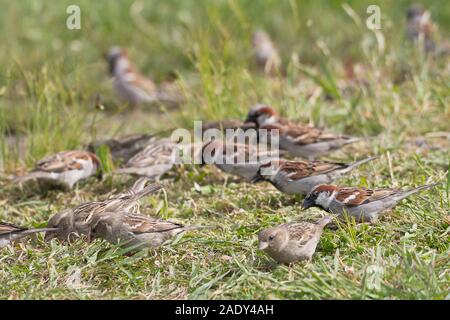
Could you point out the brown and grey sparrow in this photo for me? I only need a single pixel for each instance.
(135, 230)
(298, 140)
(300, 177)
(292, 242)
(65, 168)
(364, 205)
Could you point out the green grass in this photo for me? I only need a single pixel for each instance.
(51, 76)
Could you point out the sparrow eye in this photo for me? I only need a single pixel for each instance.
(271, 238)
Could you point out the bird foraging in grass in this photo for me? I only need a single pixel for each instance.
(133, 87)
(10, 232)
(242, 160)
(75, 222)
(299, 140)
(364, 205)
(300, 177)
(152, 162)
(292, 242)
(135, 230)
(65, 168)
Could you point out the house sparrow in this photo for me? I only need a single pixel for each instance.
(10, 232)
(135, 230)
(292, 242)
(124, 148)
(65, 168)
(266, 55)
(365, 205)
(152, 162)
(419, 25)
(76, 222)
(299, 140)
(133, 87)
(300, 177)
(243, 160)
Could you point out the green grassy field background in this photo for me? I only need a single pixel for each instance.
(50, 78)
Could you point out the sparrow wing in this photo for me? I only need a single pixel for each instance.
(139, 224)
(295, 170)
(301, 232)
(154, 154)
(358, 196)
(8, 228)
(141, 82)
(65, 161)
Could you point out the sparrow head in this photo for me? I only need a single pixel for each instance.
(261, 114)
(320, 196)
(115, 54)
(64, 221)
(274, 238)
(414, 11)
(267, 171)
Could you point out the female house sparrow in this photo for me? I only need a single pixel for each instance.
(365, 205)
(133, 87)
(66, 168)
(241, 160)
(124, 148)
(292, 242)
(76, 222)
(297, 139)
(135, 230)
(152, 162)
(300, 177)
(266, 55)
(10, 232)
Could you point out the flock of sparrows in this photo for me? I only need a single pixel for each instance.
(118, 218)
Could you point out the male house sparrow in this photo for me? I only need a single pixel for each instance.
(10, 232)
(152, 162)
(292, 242)
(76, 222)
(133, 87)
(365, 205)
(243, 160)
(66, 168)
(123, 148)
(299, 140)
(300, 177)
(135, 230)
(266, 55)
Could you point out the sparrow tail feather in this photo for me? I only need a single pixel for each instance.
(415, 190)
(32, 176)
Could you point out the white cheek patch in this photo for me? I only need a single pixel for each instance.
(122, 65)
(270, 120)
(324, 199)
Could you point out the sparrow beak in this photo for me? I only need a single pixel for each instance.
(263, 245)
(308, 203)
(249, 119)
